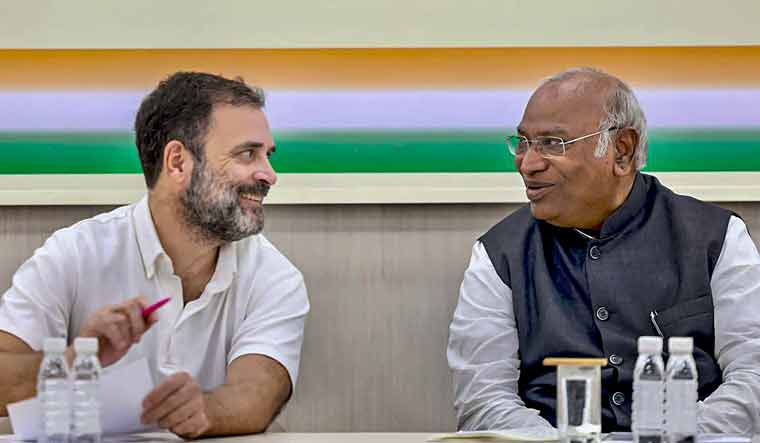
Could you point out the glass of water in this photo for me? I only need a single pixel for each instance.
(579, 391)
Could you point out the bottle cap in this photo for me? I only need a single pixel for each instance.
(650, 345)
(86, 345)
(680, 345)
(54, 344)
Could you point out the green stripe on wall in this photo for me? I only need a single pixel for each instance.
(408, 151)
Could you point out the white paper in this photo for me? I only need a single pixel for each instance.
(26, 418)
(143, 437)
(626, 437)
(517, 434)
(122, 390)
(723, 438)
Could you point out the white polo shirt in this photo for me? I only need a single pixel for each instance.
(255, 303)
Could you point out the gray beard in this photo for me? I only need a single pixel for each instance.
(211, 207)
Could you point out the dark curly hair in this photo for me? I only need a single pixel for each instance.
(180, 109)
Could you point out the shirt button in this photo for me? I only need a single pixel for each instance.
(616, 359)
(594, 253)
(602, 314)
(618, 398)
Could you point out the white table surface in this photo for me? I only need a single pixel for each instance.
(275, 437)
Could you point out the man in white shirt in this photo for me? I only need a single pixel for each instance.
(225, 350)
(603, 254)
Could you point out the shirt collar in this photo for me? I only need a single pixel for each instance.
(226, 267)
(147, 237)
(151, 250)
(625, 214)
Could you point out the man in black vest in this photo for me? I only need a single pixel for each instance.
(603, 254)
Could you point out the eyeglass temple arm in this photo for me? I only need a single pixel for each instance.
(590, 135)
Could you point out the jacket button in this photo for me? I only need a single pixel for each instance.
(594, 253)
(602, 314)
(618, 398)
(616, 359)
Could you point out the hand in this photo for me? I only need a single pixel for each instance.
(117, 328)
(177, 404)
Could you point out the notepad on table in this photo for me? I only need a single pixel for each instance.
(517, 434)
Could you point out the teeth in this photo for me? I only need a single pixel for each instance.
(250, 197)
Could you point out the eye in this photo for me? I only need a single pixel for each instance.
(549, 141)
(248, 154)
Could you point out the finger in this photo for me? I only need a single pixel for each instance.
(164, 390)
(133, 312)
(193, 427)
(151, 320)
(182, 396)
(115, 332)
(180, 414)
(122, 322)
(142, 301)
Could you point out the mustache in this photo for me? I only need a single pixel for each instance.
(259, 189)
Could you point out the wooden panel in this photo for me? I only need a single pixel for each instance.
(383, 282)
(24, 228)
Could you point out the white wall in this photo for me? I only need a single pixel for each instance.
(375, 23)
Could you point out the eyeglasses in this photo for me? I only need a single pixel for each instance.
(547, 146)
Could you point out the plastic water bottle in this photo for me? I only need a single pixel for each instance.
(648, 392)
(54, 390)
(86, 401)
(681, 392)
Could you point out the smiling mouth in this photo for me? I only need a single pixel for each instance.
(537, 191)
(252, 197)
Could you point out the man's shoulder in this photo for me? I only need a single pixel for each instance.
(102, 227)
(688, 206)
(512, 225)
(257, 254)
(265, 277)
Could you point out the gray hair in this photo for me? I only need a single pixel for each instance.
(621, 110)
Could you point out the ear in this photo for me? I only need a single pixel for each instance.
(624, 150)
(178, 162)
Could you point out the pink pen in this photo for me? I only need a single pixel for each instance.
(152, 308)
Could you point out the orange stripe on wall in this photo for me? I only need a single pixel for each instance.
(447, 68)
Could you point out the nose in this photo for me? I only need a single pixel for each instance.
(531, 162)
(265, 172)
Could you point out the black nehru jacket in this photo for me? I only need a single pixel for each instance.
(576, 296)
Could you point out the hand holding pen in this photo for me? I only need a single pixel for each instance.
(118, 327)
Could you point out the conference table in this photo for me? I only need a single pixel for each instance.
(274, 437)
(293, 437)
